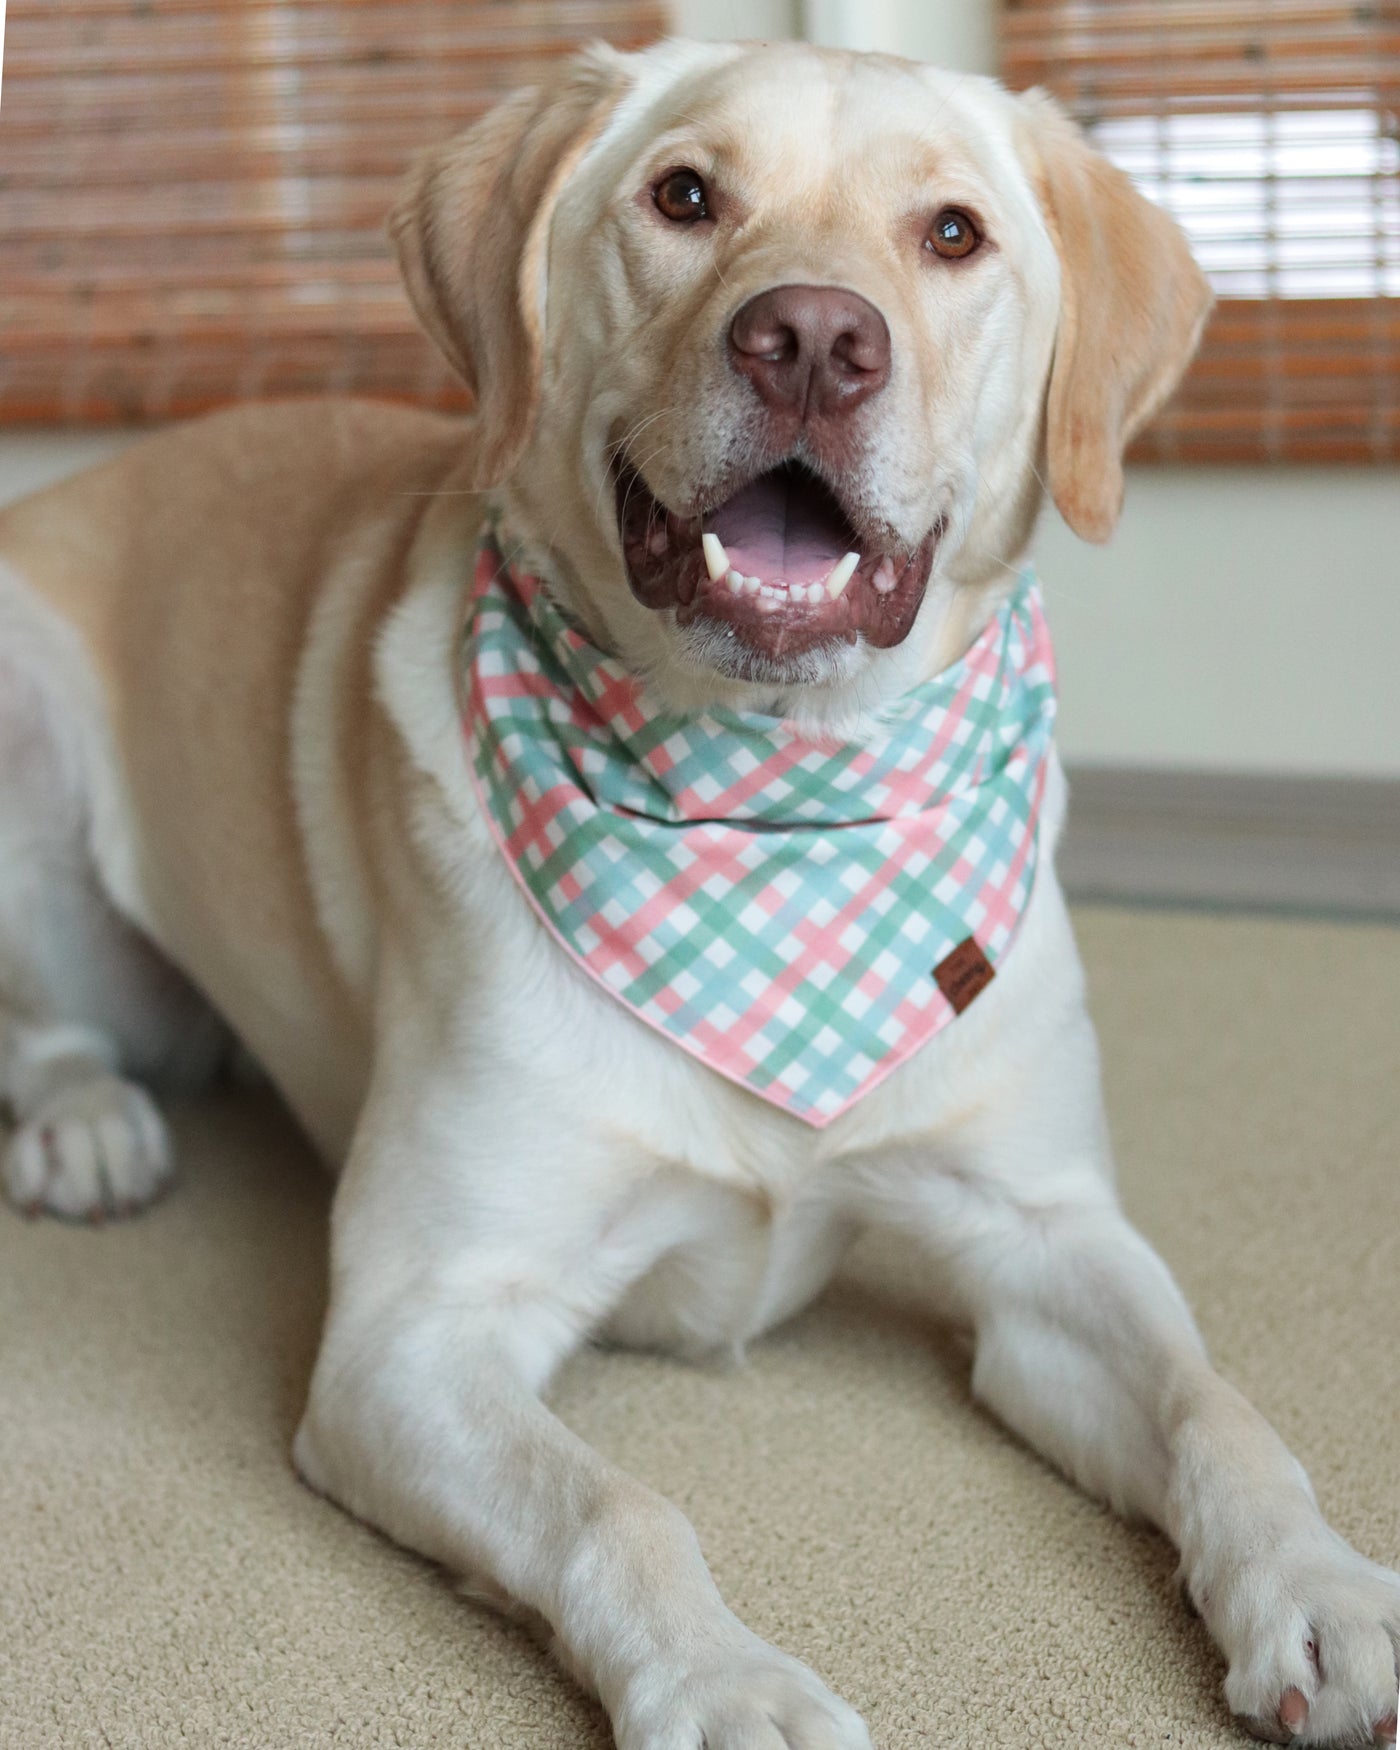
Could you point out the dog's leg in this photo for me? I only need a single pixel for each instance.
(474, 1246)
(87, 1006)
(1084, 1346)
(84, 1002)
(87, 1143)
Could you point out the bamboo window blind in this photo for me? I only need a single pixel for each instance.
(193, 192)
(1271, 130)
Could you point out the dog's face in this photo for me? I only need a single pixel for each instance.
(764, 340)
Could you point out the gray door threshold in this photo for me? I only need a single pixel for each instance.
(1234, 839)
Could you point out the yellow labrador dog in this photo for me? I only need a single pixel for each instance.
(774, 354)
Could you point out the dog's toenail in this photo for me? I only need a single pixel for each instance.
(1293, 1710)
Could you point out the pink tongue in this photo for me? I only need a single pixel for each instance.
(782, 527)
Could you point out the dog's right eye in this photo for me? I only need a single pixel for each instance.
(680, 197)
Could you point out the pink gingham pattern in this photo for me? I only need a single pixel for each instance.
(774, 905)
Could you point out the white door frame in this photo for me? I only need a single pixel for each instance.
(952, 33)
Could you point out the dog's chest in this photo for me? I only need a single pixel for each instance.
(734, 1264)
(542, 1032)
(614, 1083)
(618, 1086)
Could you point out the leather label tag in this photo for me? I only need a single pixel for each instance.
(964, 974)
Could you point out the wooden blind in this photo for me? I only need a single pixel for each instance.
(1271, 130)
(193, 192)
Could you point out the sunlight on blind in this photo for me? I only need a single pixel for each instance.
(1290, 204)
(1270, 129)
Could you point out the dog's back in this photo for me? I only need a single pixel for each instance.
(158, 612)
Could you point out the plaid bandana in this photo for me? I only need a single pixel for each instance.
(799, 915)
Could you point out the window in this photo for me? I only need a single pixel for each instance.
(193, 192)
(1271, 130)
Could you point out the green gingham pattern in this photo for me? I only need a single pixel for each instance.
(774, 905)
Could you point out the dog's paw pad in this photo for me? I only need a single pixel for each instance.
(92, 1152)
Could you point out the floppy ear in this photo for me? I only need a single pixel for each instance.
(1132, 306)
(471, 227)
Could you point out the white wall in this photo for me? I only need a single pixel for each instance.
(31, 459)
(1242, 619)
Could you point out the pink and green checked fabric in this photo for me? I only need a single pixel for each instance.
(775, 906)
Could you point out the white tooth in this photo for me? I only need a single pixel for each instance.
(884, 579)
(816, 592)
(716, 559)
(751, 586)
(734, 582)
(842, 575)
(768, 591)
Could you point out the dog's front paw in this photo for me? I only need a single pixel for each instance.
(1312, 1633)
(739, 1695)
(94, 1150)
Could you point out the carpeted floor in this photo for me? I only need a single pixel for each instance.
(166, 1581)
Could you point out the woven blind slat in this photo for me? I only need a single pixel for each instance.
(1271, 130)
(193, 192)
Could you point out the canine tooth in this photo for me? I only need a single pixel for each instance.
(716, 559)
(884, 579)
(734, 582)
(842, 575)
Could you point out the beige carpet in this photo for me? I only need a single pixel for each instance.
(165, 1581)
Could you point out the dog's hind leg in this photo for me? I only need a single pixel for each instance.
(87, 1142)
(88, 1009)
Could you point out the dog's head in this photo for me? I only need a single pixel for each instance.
(773, 347)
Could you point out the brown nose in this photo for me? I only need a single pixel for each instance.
(811, 350)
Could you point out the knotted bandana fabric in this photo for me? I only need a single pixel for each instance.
(786, 910)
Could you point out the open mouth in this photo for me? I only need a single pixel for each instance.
(780, 563)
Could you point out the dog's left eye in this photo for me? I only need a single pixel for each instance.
(953, 235)
(680, 196)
